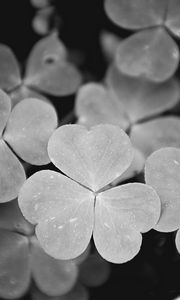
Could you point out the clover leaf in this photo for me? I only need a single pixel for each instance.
(22, 258)
(26, 129)
(151, 53)
(67, 211)
(152, 135)
(48, 70)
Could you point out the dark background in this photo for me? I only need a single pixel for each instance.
(155, 272)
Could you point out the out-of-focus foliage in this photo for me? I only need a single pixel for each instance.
(158, 133)
(25, 130)
(21, 258)
(139, 14)
(142, 99)
(136, 105)
(48, 70)
(95, 104)
(79, 292)
(150, 53)
(162, 172)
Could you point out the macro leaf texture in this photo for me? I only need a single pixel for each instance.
(28, 129)
(151, 54)
(92, 157)
(14, 265)
(10, 76)
(136, 14)
(135, 168)
(48, 69)
(95, 104)
(121, 213)
(67, 211)
(61, 208)
(162, 172)
(155, 134)
(142, 99)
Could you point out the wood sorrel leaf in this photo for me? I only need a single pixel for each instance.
(94, 271)
(23, 92)
(92, 157)
(151, 54)
(12, 174)
(155, 134)
(5, 109)
(62, 210)
(121, 213)
(97, 105)
(142, 99)
(14, 265)
(79, 292)
(136, 167)
(162, 172)
(53, 277)
(136, 14)
(12, 219)
(28, 129)
(172, 21)
(48, 69)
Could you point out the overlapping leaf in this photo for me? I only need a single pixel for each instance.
(158, 133)
(5, 109)
(151, 54)
(96, 105)
(162, 172)
(19, 261)
(24, 92)
(66, 211)
(12, 174)
(48, 69)
(53, 277)
(28, 129)
(172, 21)
(121, 214)
(77, 293)
(136, 14)
(142, 99)
(135, 168)
(10, 76)
(109, 43)
(12, 219)
(14, 265)
(94, 271)
(139, 14)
